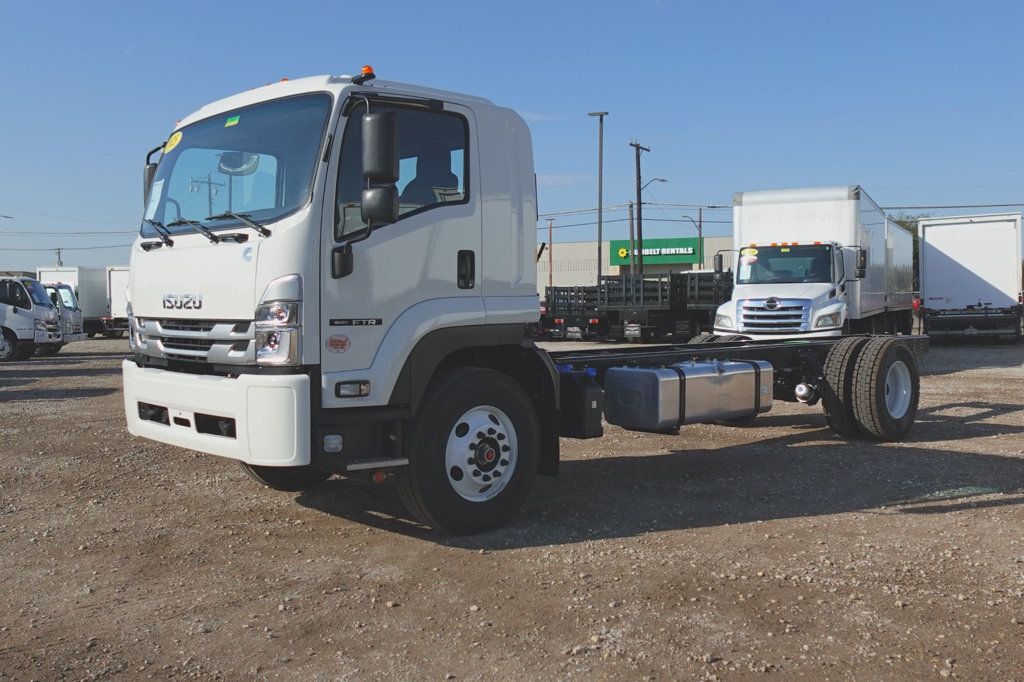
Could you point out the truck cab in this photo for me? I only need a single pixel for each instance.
(69, 314)
(788, 289)
(28, 318)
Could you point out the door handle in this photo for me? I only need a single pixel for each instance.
(466, 269)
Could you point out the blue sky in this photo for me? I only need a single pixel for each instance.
(919, 102)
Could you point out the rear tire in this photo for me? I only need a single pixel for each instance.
(473, 452)
(730, 338)
(9, 351)
(837, 387)
(288, 479)
(886, 390)
(704, 338)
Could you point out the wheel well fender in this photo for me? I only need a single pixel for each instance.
(498, 347)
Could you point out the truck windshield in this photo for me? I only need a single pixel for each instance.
(785, 264)
(68, 296)
(37, 293)
(258, 160)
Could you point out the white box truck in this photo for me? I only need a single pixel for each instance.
(312, 319)
(816, 262)
(971, 276)
(101, 292)
(28, 318)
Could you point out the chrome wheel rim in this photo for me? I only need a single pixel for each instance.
(898, 389)
(481, 454)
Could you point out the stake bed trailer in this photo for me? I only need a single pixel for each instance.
(311, 320)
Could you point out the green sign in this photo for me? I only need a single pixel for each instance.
(664, 251)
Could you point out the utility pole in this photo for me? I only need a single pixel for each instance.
(639, 209)
(600, 186)
(60, 262)
(193, 186)
(551, 261)
(700, 238)
(632, 252)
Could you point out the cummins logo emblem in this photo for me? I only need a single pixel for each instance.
(183, 301)
(772, 303)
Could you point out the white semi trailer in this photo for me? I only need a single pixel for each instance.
(971, 276)
(353, 302)
(816, 262)
(101, 293)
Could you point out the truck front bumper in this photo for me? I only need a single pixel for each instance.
(47, 336)
(783, 337)
(257, 419)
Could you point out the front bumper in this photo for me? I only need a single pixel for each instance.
(48, 336)
(783, 337)
(270, 414)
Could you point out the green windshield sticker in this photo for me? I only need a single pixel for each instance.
(232, 121)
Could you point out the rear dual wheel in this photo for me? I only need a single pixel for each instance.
(870, 389)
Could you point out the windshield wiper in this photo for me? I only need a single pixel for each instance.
(165, 235)
(199, 228)
(242, 218)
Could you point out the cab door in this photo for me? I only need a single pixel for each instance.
(425, 264)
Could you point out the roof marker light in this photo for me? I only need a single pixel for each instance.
(366, 74)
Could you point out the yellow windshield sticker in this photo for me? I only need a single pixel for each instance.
(784, 250)
(748, 252)
(172, 142)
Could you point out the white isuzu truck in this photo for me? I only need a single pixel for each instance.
(28, 319)
(816, 262)
(352, 300)
(971, 276)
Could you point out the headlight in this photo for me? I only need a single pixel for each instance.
(41, 325)
(723, 321)
(277, 314)
(830, 320)
(278, 336)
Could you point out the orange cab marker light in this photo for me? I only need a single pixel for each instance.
(367, 69)
(284, 80)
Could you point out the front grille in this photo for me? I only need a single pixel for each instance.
(788, 316)
(229, 342)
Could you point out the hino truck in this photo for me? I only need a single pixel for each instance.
(971, 276)
(101, 293)
(816, 262)
(353, 302)
(28, 319)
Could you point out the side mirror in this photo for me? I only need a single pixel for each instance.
(380, 148)
(380, 205)
(148, 173)
(719, 264)
(862, 263)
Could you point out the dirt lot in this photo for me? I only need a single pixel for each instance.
(719, 553)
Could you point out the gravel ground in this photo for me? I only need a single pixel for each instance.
(720, 553)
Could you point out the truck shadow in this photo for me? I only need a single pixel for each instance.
(948, 359)
(811, 473)
(30, 395)
(40, 371)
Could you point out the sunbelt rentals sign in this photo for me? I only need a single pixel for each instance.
(666, 251)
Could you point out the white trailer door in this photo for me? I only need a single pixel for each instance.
(970, 262)
(118, 292)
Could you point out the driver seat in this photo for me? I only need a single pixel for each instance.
(434, 178)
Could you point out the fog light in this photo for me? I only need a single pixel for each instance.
(352, 389)
(332, 443)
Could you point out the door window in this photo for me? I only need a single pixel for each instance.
(12, 293)
(433, 164)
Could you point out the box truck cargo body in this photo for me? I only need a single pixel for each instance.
(93, 287)
(971, 275)
(817, 261)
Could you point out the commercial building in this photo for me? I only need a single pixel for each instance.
(575, 263)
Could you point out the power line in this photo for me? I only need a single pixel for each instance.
(33, 233)
(74, 248)
(909, 208)
(59, 217)
(655, 220)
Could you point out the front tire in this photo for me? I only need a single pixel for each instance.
(288, 479)
(473, 452)
(8, 346)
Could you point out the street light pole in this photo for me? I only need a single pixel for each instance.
(600, 186)
(639, 209)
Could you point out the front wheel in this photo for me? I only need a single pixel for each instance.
(8, 346)
(473, 452)
(288, 479)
